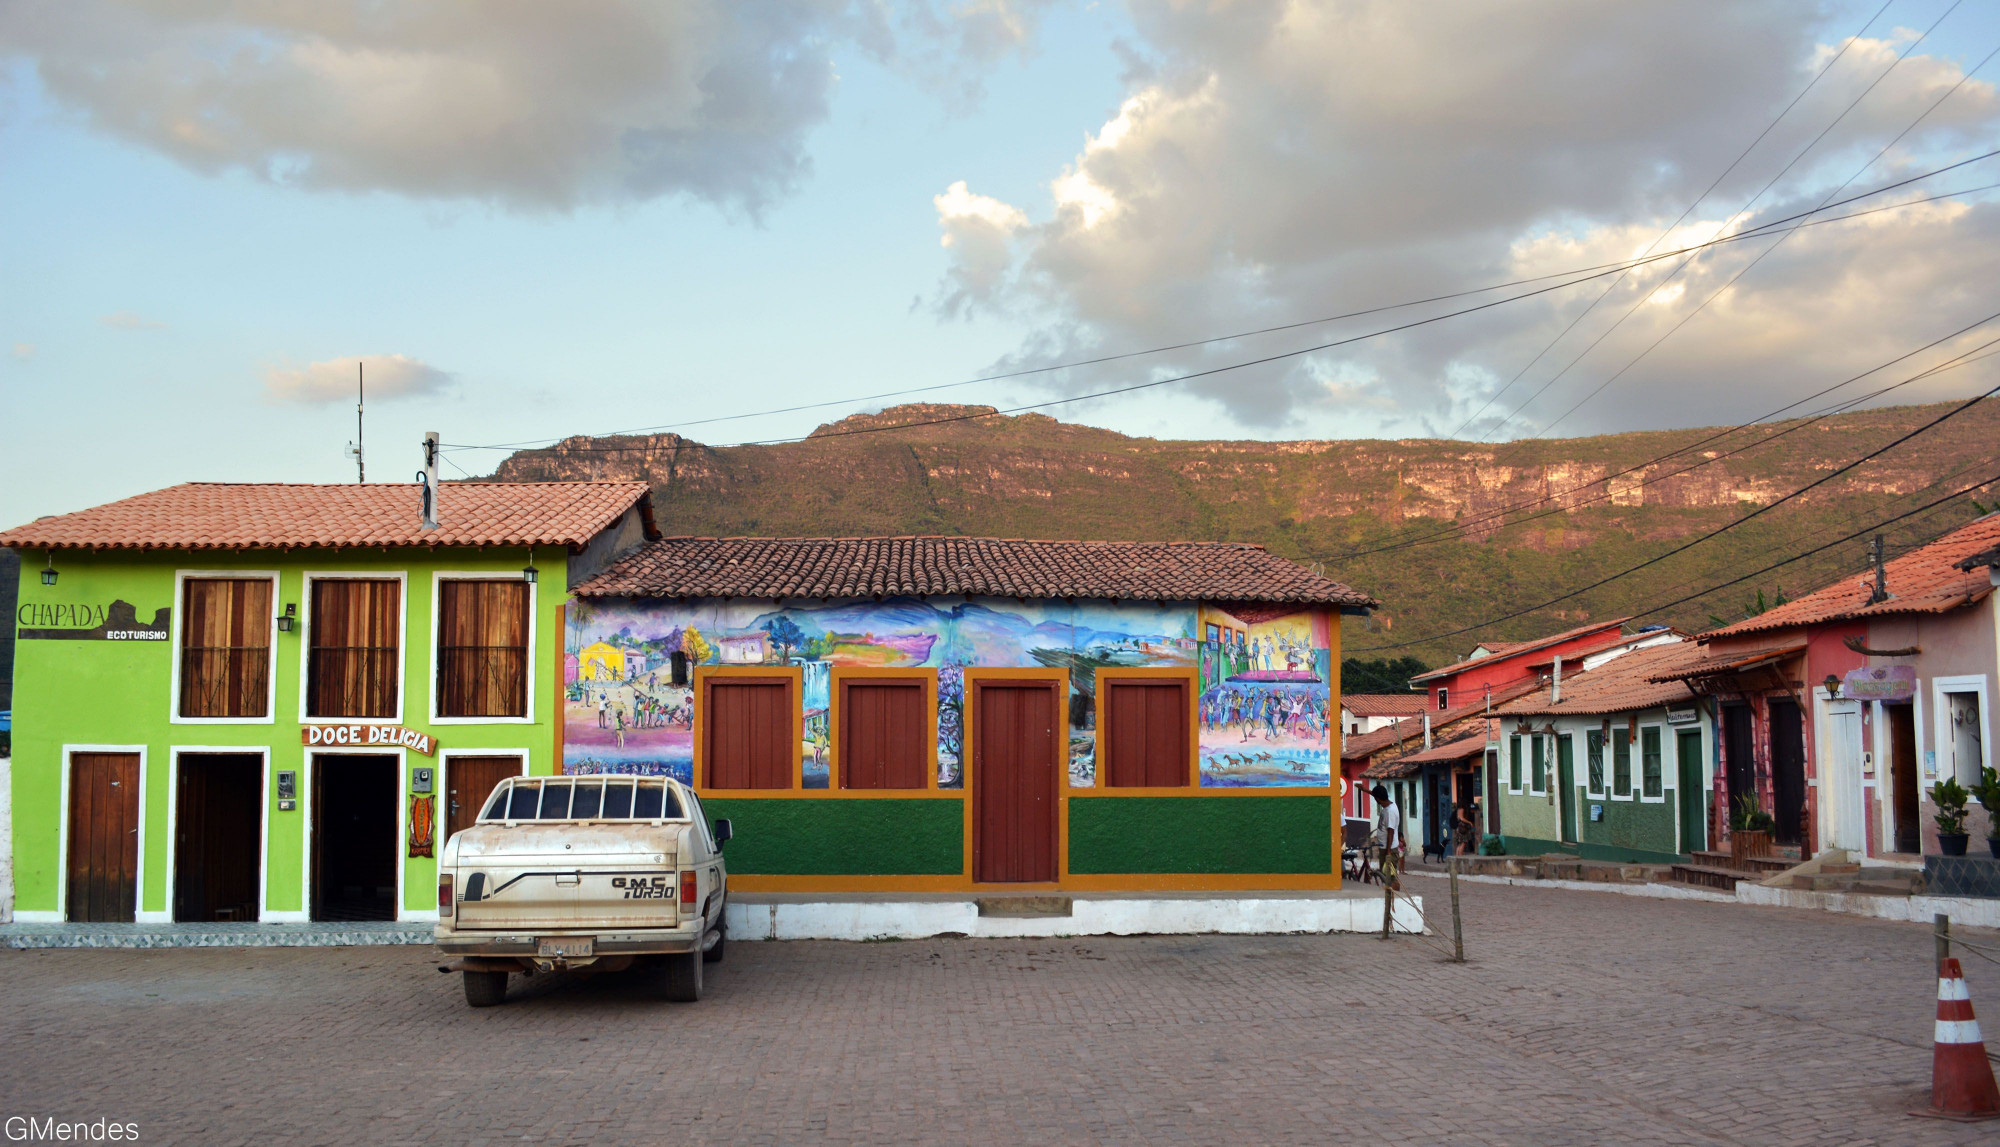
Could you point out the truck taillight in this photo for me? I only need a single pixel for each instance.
(444, 895)
(687, 890)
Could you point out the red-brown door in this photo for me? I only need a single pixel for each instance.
(103, 836)
(217, 827)
(885, 736)
(1017, 752)
(468, 782)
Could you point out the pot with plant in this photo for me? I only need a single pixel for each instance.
(1749, 828)
(1988, 792)
(1949, 796)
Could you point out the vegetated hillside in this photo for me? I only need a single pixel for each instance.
(1338, 503)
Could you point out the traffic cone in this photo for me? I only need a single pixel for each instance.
(1962, 1085)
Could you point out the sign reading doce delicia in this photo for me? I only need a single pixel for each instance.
(368, 736)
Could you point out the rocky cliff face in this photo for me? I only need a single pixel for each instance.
(1456, 556)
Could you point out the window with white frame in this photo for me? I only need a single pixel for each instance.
(1651, 784)
(1539, 748)
(1514, 763)
(1593, 763)
(1621, 764)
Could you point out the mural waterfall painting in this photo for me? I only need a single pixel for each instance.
(1264, 674)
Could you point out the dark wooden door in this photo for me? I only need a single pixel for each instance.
(1566, 785)
(1788, 772)
(1492, 793)
(468, 782)
(355, 813)
(1015, 761)
(216, 831)
(884, 734)
(103, 837)
(1739, 766)
(1903, 777)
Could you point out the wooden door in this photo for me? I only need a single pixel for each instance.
(1903, 777)
(885, 734)
(1694, 818)
(468, 782)
(1016, 756)
(1145, 733)
(1739, 767)
(103, 837)
(1788, 773)
(749, 739)
(217, 826)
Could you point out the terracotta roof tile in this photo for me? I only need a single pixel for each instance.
(1716, 663)
(1503, 649)
(273, 515)
(998, 567)
(1384, 704)
(1929, 579)
(1624, 683)
(1412, 728)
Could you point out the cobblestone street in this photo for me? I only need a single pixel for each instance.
(1581, 1018)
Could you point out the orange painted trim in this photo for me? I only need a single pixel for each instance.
(1106, 882)
(1059, 680)
(1191, 675)
(794, 679)
(833, 794)
(836, 703)
(561, 709)
(1232, 791)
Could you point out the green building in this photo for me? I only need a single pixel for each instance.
(274, 702)
(1609, 763)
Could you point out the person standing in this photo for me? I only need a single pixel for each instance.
(1388, 836)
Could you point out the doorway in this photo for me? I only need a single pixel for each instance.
(1694, 818)
(217, 826)
(1739, 764)
(468, 782)
(103, 877)
(1788, 771)
(1566, 785)
(355, 813)
(1492, 826)
(1905, 826)
(1016, 757)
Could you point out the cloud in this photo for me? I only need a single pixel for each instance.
(127, 321)
(1274, 161)
(977, 230)
(523, 103)
(24, 351)
(388, 376)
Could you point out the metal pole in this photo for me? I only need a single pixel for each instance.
(1388, 906)
(1457, 930)
(1941, 932)
(360, 398)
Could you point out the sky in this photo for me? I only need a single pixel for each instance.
(529, 221)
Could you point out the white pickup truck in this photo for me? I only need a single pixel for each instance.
(592, 872)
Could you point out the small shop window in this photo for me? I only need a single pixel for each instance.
(1143, 731)
(1541, 763)
(885, 733)
(1593, 748)
(482, 664)
(352, 665)
(1649, 763)
(1621, 764)
(1514, 764)
(1444, 698)
(750, 738)
(226, 647)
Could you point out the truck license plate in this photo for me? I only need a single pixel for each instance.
(571, 947)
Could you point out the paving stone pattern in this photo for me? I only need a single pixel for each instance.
(1582, 1018)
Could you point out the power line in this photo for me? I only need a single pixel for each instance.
(1457, 528)
(1782, 237)
(1689, 210)
(1699, 539)
(1610, 269)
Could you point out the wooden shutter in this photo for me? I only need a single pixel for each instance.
(482, 648)
(226, 647)
(884, 734)
(356, 636)
(1145, 732)
(748, 737)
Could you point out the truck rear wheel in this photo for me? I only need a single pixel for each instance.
(681, 979)
(485, 989)
(714, 954)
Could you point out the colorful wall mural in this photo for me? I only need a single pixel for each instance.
(1264, 674)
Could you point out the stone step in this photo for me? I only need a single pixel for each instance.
(1025, 907)
(1709, 876)
(1761, 865)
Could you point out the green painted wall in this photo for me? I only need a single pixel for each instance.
(1540, 846)
(836, 837)
(1289, 834)
(119, 693)
(1630, 824)
(1528, 815)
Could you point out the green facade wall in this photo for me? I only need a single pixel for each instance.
(1163, 835)
(1631, 828)
(836, 837)
(119, 694)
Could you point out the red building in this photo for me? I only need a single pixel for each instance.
(1495, 663)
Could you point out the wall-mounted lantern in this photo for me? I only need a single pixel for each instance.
(289, 618)
(49, 573)
(1832, 685)
(530, 573)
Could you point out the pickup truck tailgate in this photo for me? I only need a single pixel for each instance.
(569, 877)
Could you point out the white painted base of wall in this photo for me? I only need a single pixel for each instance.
(1656, 891)
(1963, 910)
(37, 916)
(921, 919)
(270, 917)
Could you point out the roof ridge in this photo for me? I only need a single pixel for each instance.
(952, 538)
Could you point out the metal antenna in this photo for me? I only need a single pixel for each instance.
(360, 397)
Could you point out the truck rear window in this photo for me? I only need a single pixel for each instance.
(584, 798)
